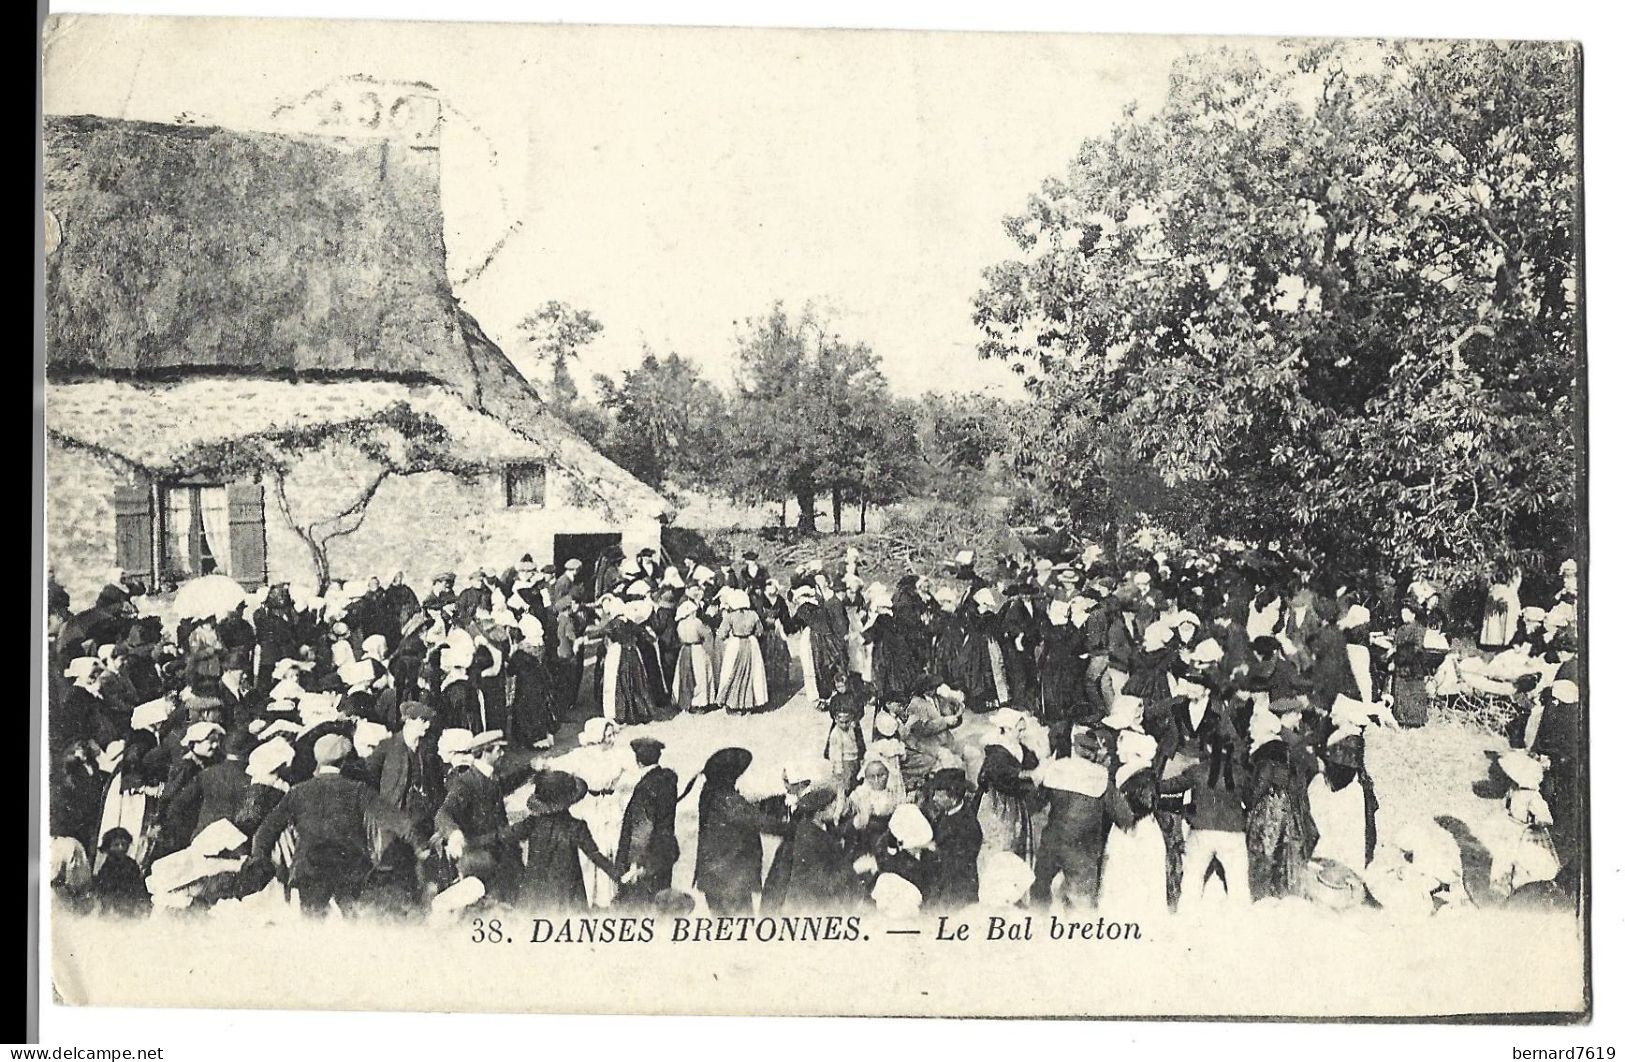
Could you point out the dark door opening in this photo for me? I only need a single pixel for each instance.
(588, 549)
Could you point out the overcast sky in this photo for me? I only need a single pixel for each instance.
(676, 182)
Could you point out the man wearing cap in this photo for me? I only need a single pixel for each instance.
(570, 641)
(473, 822)
(811, 871)
(1125, 637)
(440, 592)
(1074, 840)
(332, 818)
(648, 841)
(565, 587)
(407, 770)
(108, 620)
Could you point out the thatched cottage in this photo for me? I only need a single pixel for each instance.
(256, 366)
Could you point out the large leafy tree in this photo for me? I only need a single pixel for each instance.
(814, 416)
(965, 442)
(669, 421)
(1325, 296)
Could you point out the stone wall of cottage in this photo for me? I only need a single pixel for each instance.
(421, 524)
(81, 550)
(424, 524)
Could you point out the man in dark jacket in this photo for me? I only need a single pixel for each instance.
(648, 842)
(570, 629)
(1021, 630)
(406, 769)
(1126, 636)
(567, 586)
(334, 818)
(215, 792)
(106, 622)
(811, 871)
(1074, 840)
(1560, 739)
(473, 821)
(958, 839)
(76, 796)
(276, 629)
(752, 575)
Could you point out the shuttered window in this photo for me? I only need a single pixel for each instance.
(213, 529)
(246, 504)
(132, 529)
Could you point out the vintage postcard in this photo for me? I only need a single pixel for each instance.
(739, 521)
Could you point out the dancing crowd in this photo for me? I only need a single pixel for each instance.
(1175, 729)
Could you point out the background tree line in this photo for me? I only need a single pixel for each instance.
(809, 416)
(1326, 296)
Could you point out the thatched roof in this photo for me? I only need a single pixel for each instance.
(155, 427)
(192, 249)
(195, 247)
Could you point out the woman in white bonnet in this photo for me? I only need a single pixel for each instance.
(626, 692)
(694, 686)
(1134, 869)
(133, 790)
(1003, 786)
(1528, 857)
(742, 677)
(604, 765)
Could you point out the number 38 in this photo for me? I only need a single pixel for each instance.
(487, 932)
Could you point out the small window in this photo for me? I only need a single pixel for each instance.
(526, 485)
(211, 529)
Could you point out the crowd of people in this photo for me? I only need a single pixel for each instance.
(1176, 729)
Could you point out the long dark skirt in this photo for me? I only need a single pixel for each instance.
(776, 659)
(1410, 701)
(1278, 844)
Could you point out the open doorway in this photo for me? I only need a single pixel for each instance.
(586, 548)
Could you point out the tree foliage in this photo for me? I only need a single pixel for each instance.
(553, 335)
(668, 421)
(964, 443)
(1326, 297)
(814, 415)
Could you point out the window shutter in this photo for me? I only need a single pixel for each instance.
(246, 503)
(132, 529)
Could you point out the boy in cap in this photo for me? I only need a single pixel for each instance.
(647, 850)
(958, 837)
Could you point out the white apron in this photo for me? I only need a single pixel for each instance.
(612, 673)
(1340, 818)
(1134, 872)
